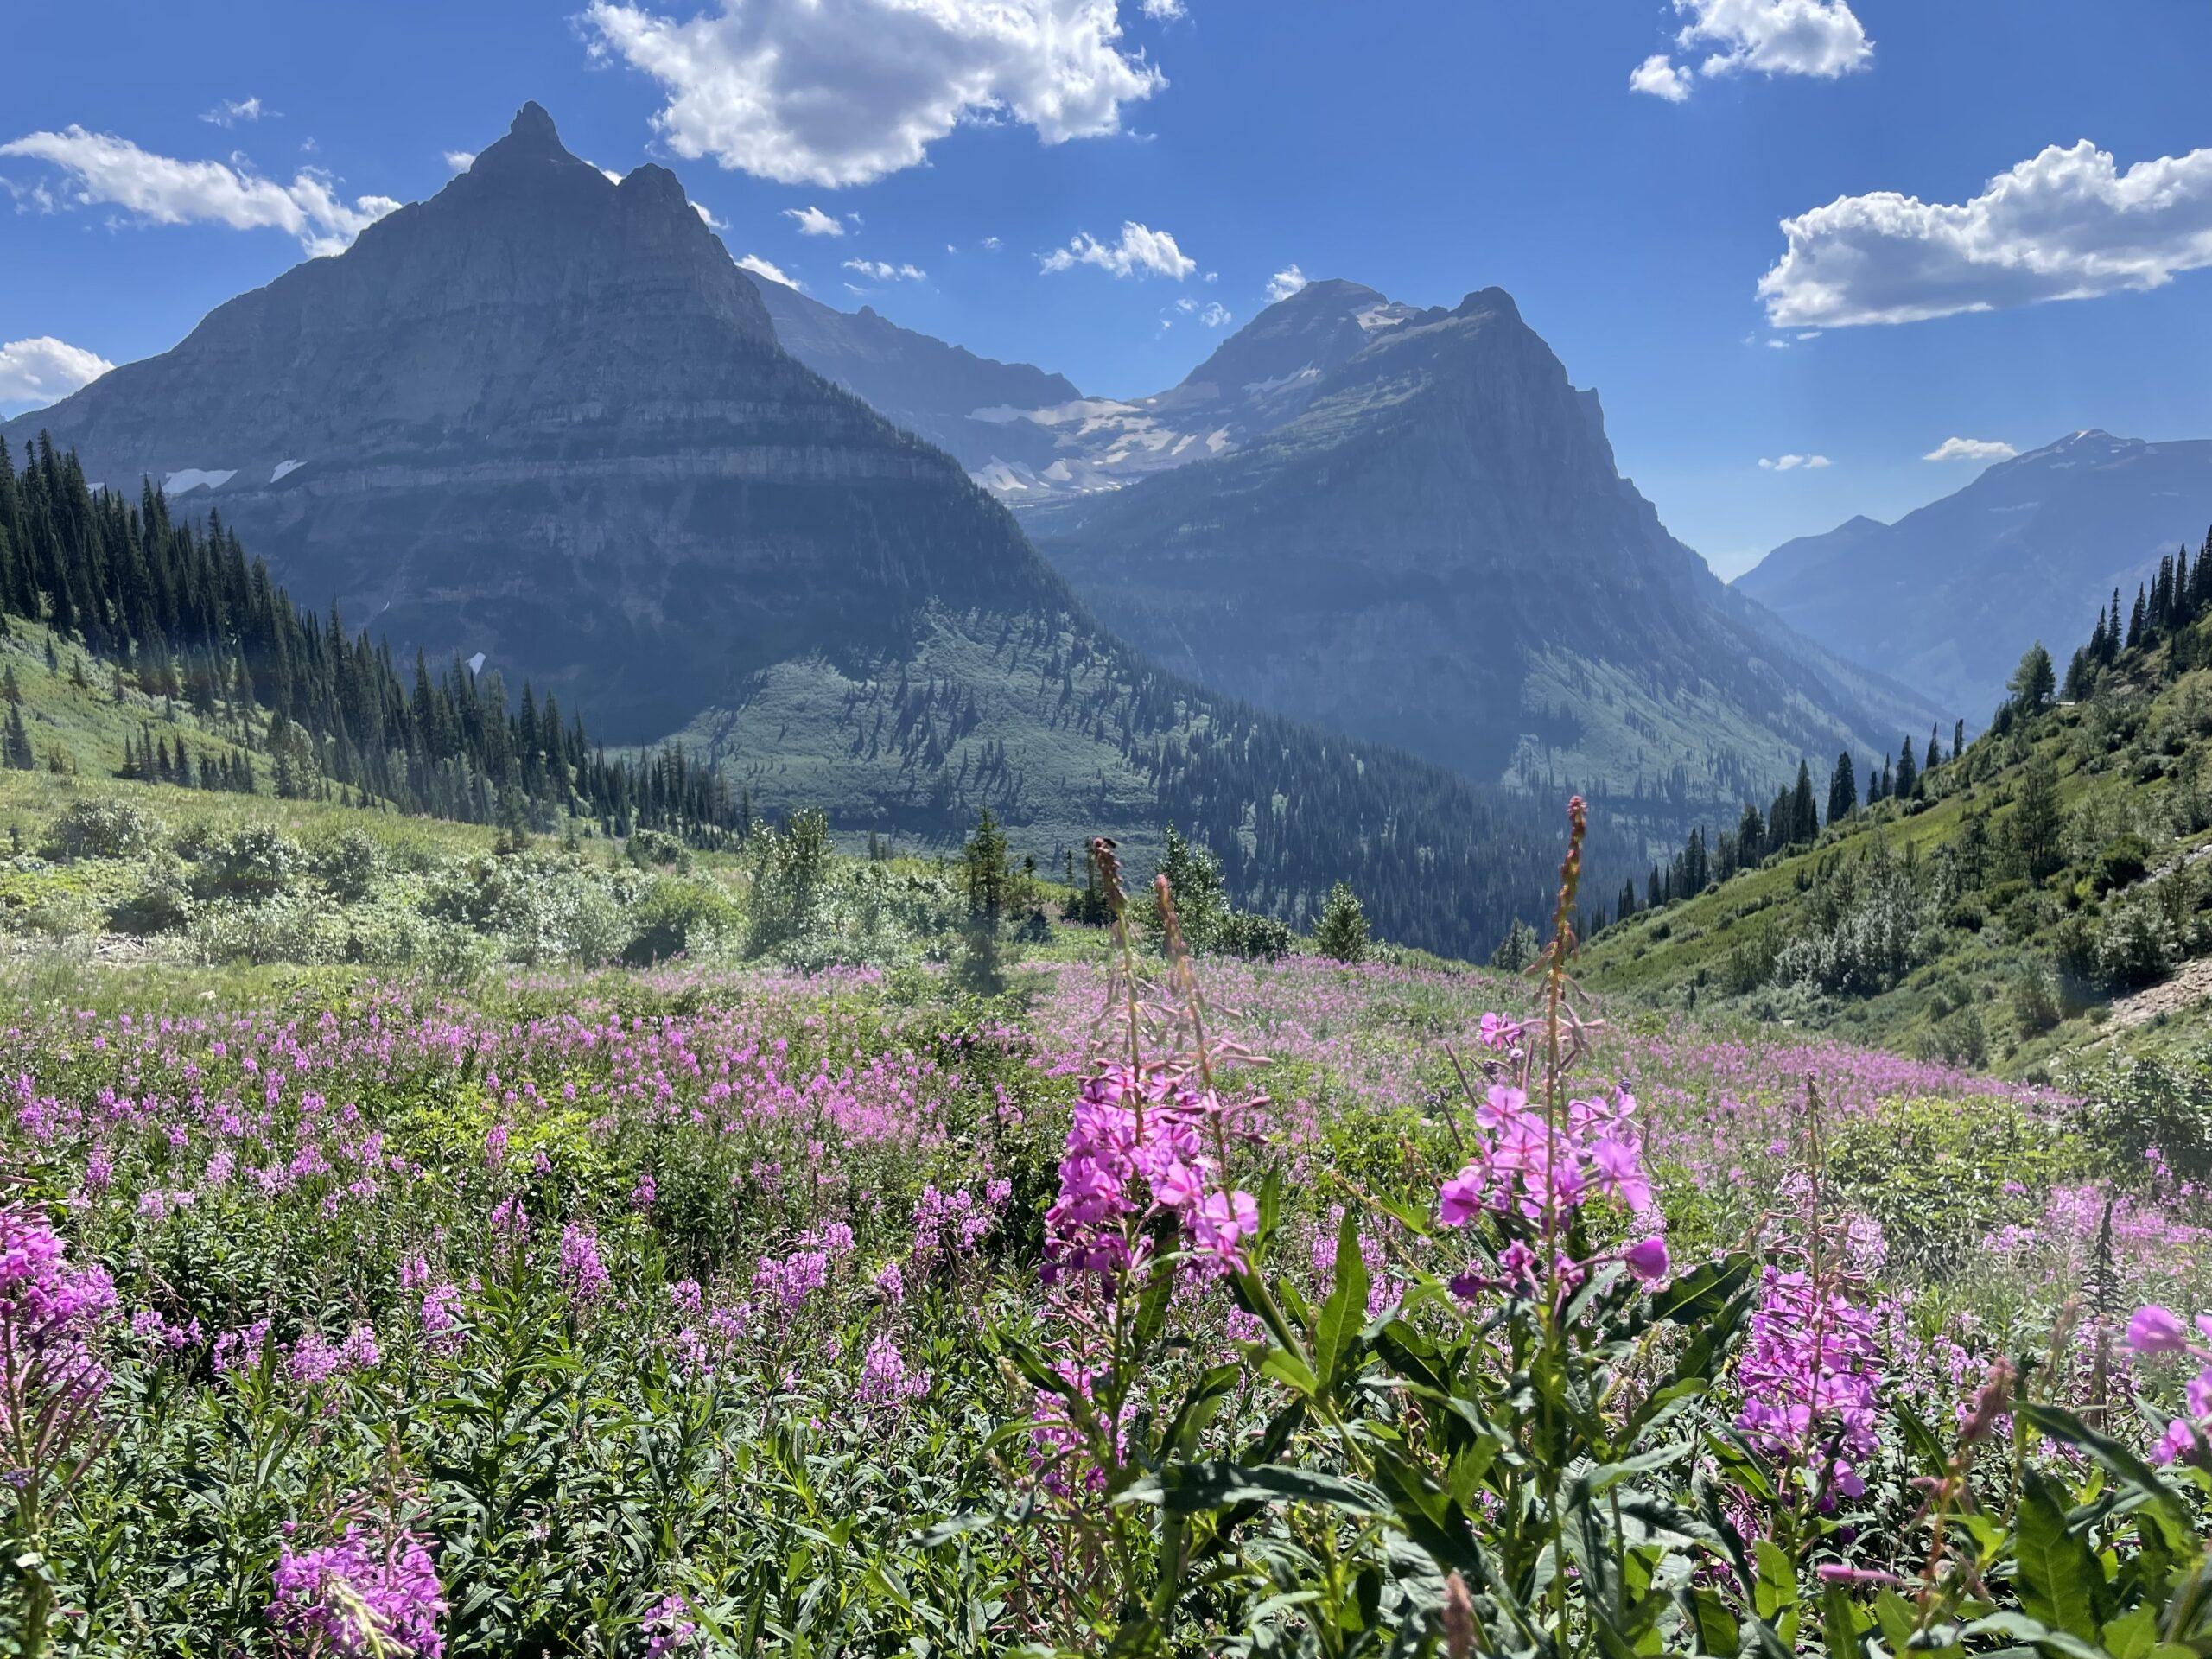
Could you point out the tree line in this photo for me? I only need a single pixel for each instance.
(179, 610)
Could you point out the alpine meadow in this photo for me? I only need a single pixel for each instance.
(708, 947)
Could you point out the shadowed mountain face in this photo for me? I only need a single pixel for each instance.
(1431, 546)
(544, 416)
(1948, 598)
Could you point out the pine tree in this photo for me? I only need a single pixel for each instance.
(1804, 815)
(1958, 738)
(2038, 822)
(2033, 683)
(2138, 619)
(1908, 769)
(987, 880)
(1843, 789)
(1342, 932)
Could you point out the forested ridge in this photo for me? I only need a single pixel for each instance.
(178, 608)
(181, 608)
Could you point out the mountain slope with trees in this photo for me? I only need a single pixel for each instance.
(1996, 902)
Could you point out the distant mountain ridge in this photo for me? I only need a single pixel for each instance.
(1946, 598)
(544, 417)
(1433, 546)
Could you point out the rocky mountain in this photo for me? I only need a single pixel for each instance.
(944, 393)
(542, 418)
(1946, 598)
(1422, 538)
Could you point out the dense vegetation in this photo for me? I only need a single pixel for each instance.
(2003, 901)
(710, 1311)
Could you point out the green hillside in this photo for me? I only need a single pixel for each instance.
(2045, 889)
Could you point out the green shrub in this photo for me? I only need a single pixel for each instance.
(254, 862)
(100, 828)
(349, 865)
(675, 917)
(2121, 863)
(2131, 1107)
(1342, 931)
(1256, 938)
(162, 904)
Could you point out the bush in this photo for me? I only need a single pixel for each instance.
(2033, 997)
(2120, 864)
(102, 828)
(162, 904)
(2131, 1107)
(1256, 938)
(1517, 949)
(677, 917)
(2133, 948)
(350, 867)
(255, 861)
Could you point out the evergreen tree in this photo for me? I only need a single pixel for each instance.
(2033, 683)
(1935, 752)
(1194, 883)
(1908, 769)
(1804, 815)
(1342, 931)
(1958, 738)
(2138, 619)
(1843, 789)
(2038, 822)
(988, 879)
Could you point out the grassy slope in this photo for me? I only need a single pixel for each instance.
(2129, 757)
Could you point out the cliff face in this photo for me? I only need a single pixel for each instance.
(544, 416)
(1437, 549)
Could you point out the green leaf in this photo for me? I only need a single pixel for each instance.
(1202, 1399)
(1699, 1295)
(1198, 1488)
(1152, 1309)
(1776, 1588)
(1838, 1623)
(1710, 1622)
(2059, 1579)
(2133, 1635)
(2119, 1459)
(1922, 1438)
(1898, 1621)
(1345, 1310)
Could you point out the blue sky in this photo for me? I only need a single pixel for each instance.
(1426, 149)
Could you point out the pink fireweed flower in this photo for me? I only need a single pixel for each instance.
(581, 1270)
(884, 1380)
(1809, 1376)
(670, 1628)
(1648, 1261)
(441, 1309)
(2154, 1330)
(358, 1595)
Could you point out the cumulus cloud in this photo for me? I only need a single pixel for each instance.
(760, 267)
(105, 169)
(1822, 38)
(1164, 11)
(707, 217)
(1972, 449)
(991, 243)
(1658, 76)
(1285, 283)
(884, 271)
(1791, 463)
(43, 370)
(229, 114)
(844, 92)
(2068, 225)
(461, 160)
(812, 221)
(1141, 251)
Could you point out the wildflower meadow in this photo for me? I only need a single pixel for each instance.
(1163, 1305)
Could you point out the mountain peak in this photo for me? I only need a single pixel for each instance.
(534, 127)
(1494, 300)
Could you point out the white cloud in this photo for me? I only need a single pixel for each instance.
(1284, 283)
(844, 92)
(609, 173)
(707, 217)
(1212, 315)
(1141, 251)
(1972, 449)
(159, 189)
(1778, 345)
(1164, 11)
(884, 271)
(2066, 225)
(1659, 77)
(812, 221)
(227, 113)
(992, 243)
(461, 160)
(760, 267)
(43, 369)
(1791, 463)
(1822, 38)
(1776, 37)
